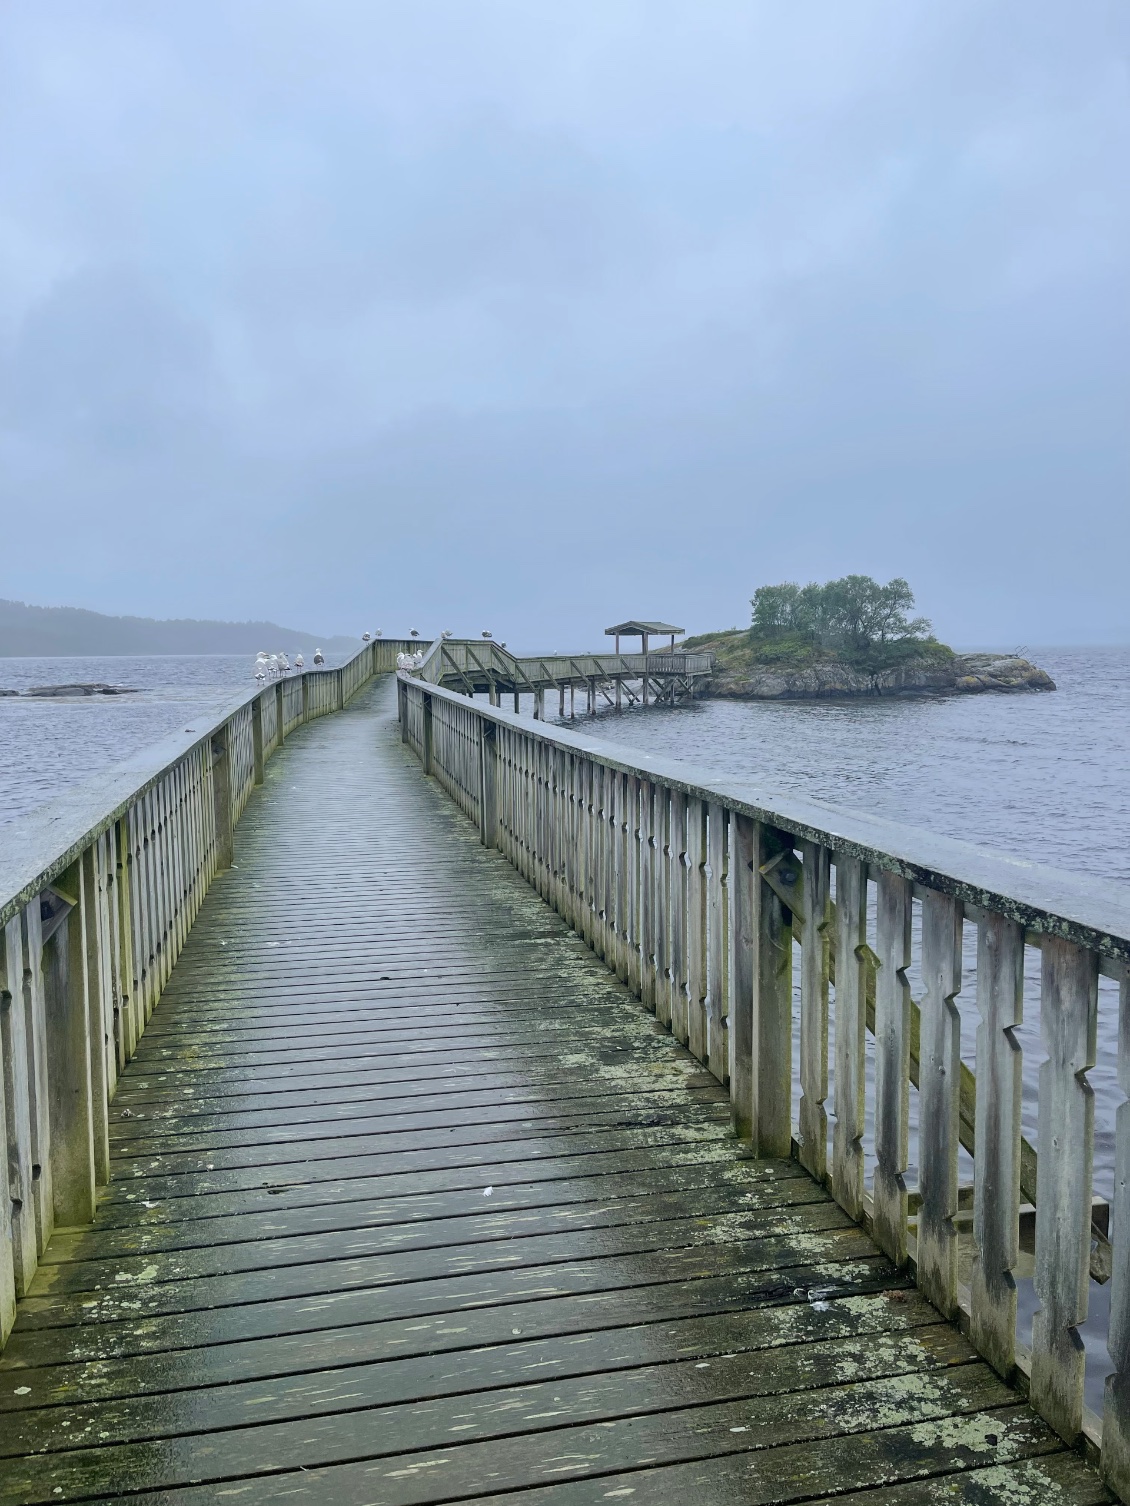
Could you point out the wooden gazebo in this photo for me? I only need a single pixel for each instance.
(644, 630)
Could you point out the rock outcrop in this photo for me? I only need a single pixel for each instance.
(49, 691)
(964, 674)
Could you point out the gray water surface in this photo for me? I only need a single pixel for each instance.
(50, 745)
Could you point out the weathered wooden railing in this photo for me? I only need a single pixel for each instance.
(716, 903)
(97, 893)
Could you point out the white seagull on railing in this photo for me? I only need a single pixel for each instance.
(299, 662)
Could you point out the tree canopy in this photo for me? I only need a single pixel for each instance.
(854, 613)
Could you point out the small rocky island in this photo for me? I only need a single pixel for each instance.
(850, 638)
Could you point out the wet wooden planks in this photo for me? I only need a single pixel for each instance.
(412, 1202)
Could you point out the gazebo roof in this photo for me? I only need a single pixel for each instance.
(637, 629)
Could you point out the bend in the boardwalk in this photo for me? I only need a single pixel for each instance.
(413, 1202)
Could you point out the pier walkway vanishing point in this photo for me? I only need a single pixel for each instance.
(407, 1196)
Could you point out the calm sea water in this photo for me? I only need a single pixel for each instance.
(1045, 777)
(52, 744)
(1042, 776)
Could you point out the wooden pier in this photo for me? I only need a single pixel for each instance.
(421, 1182)
(476, 666)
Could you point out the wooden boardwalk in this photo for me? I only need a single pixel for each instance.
(413, 1202)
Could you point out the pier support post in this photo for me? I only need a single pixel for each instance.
(517, 701)
(493, 694)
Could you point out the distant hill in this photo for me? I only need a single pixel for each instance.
(29, 632)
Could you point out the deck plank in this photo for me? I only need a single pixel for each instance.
(412, 1202)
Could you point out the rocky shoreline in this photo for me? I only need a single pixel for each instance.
(964, 674)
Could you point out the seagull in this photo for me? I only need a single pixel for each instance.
(378, 632)
(365, 637)
(414, 633)
(273, 661)
(299, 661)
(447, 633)
(262, 664)
(284, 664)
(319, 657)
(487, 633)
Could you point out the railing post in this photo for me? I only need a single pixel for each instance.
(221, 797)
(96, 902)
(9, 1196)
(402, 708)
(427, 709)
(939, 1087)
(1066, 1129)
(488, 796)
(1116, 1413)
(717, 967)
(35, 1037)
(339, 688)
(996, 1166)
(16, 1065)
(67, 1001)
(851, 1029)
(892, 1064)
(813, 1138)
(257, 737)
(773, 1012)
(306, 695)
(129, 1018)
(280, 712)
(744, 883)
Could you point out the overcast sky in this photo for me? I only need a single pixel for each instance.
(534, 316)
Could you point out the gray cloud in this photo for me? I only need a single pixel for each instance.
(522, 317)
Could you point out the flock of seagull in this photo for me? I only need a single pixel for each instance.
(277, 666)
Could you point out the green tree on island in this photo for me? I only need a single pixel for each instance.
(852, 614)
(853, 621)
